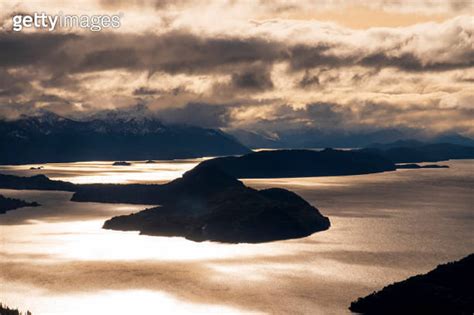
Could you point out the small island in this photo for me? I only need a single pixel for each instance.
(417, 166)
(7, 204)
(122, 163)
(37, 182)
(207, 204)
(448, 289)
(150, 162)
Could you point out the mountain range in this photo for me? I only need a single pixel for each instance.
(319, 138)
(111, 135)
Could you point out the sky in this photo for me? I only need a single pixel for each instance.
(254, 65)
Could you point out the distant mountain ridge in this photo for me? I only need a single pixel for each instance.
(48, 137)
(412, 151)
(318, 138)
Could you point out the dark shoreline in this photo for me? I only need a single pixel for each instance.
(447, 289)
(5, 310)
(8, 204)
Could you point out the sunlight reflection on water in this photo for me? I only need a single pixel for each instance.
(385, 227)
(105, 172)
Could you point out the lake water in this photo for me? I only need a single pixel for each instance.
(56, 259)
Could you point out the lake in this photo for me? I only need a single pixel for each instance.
(56, 259)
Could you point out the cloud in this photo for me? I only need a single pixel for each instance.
(145, 91)
(205, 115)
(308, 80)
(421, 48)
(267, 72)
(255, 79)
(21, 49)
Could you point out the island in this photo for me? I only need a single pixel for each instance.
(122, 163)
(417, 166)
(7, 204)
(302, 163)
(37, 182)
(331, 162)
(448, 289)
(207, 204)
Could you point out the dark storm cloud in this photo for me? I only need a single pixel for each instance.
(330, 114)
(359, 77)
(182, 52)
(145, 91)
(15, 90)
(321, 115)
(173, 52)
(308, 80)
(51, 98)
(11, 85)
(60, 80)
(202, 114)
(22, 49)
(255, 78)
(114, 58)
(409, 62)
(306, 56)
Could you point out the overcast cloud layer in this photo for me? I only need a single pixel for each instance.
(253, 65)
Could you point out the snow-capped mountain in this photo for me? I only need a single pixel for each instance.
(111, 135)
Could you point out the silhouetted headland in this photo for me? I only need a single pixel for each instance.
(330, 162)
(37, 182)
(302, 163)
(417, 166)
(7, 204)
(446, 290)
(208, 204)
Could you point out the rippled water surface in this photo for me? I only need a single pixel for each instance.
(56, 259)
